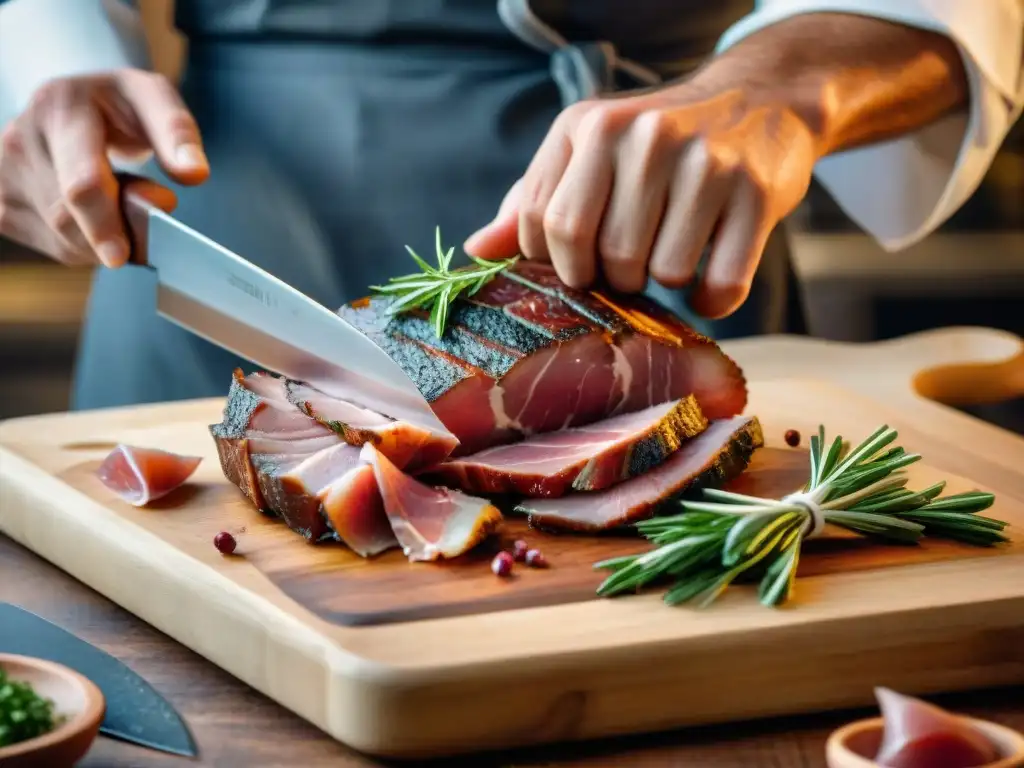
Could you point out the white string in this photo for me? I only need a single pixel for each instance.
(808, 502)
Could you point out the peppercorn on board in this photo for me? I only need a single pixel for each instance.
(402, 658)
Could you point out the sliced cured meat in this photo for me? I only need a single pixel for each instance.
(406, 444)
(430, 523)
(258, 410)
(141, 475)
(260, 438)
(355, 509)
(719, 454)
(331, 488)
(920, 734)
(527, 355)
(589, 458)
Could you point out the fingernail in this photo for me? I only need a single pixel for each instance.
(112, 252)
(190, 156)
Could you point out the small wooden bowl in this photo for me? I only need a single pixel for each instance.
(856, 744)
(75, 698)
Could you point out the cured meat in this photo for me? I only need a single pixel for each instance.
(260, 438)
(717, 455)
(409, 445)
(526, 355)
(330, 491)
(430, 523)
(301, 471)
(920, 735)
(141, 475)
(588, 458)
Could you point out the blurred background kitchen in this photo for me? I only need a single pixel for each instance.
(971, 272)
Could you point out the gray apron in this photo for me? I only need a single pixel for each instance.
(339, 131)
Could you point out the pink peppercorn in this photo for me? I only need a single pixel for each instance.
(535, 559)
(224, 542)
(502, 564)
(519, 550)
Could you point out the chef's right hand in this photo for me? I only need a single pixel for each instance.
(58, 192)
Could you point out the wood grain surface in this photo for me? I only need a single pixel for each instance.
(236, 727)
(341, 587)
(567, 671)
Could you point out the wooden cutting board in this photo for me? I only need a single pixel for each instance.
(415, 659)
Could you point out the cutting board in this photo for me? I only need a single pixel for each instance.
(423, 659)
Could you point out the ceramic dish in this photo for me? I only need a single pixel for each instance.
(856, 744)
(75, 698)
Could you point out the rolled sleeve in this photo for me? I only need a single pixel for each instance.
(901, 190)
(44, 39)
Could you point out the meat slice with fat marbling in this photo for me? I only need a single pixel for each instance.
(527, 355)
(430, 523)
(141, 475)
(290, 466)
(589, 458)
(407, 444)
(718, 454)
(332, 485)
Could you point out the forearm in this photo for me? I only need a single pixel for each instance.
(44, 39)
(853, 79)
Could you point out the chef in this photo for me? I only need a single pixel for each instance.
(318, 137)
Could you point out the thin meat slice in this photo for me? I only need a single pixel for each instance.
(407, 444)
(332, 485)
(589, 458)
(526, 355)
(355, 509)
(719, 454)
(430, 523)
(141, 475)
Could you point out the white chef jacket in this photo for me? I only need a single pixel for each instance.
(898, 191)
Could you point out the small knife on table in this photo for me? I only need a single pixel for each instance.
(234, 304)
(136, 712)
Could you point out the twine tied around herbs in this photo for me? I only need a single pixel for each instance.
(729, 536)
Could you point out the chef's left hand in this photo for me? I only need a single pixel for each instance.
(634, 186)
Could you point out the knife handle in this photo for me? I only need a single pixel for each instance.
(140, 196)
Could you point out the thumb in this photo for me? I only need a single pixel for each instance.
(500, 238)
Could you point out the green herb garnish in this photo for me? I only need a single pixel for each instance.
(24, 714)
(438, 287)
(731, 536)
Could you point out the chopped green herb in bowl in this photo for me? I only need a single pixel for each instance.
(24, 714)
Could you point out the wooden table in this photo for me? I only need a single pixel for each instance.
(235, 726)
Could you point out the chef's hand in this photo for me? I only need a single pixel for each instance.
(58, 192)
(634, 186)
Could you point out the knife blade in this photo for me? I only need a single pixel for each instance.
(136, 712)
(235, 304)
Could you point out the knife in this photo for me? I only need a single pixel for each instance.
(135, 713)
(234, 304)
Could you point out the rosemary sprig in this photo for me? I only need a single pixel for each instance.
(731, 536)
(438, 287)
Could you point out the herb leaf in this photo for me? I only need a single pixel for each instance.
(24, 714)
(437, 288)
(711, 543)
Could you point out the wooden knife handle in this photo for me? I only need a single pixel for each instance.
(140, 196)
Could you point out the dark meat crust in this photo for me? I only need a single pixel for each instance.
(515, 315)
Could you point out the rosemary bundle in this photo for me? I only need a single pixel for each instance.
(732, 536)
(438, 287)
